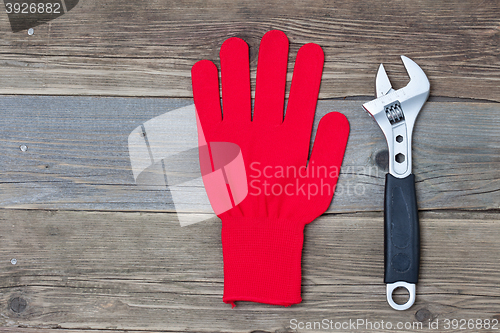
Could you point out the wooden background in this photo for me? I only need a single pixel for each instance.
(95, 252)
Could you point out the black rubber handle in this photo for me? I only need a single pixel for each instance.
(402, 234)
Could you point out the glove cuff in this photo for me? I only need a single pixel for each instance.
(262, 259)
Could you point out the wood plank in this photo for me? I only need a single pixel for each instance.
(147, 49)
(77, 155)
(142, 271)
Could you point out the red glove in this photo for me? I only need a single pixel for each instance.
(262, 236)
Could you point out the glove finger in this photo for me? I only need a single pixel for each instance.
(304, 95)
(271, 78)
(329, 148)
(326, 159)
(235, 76)
(205, 80)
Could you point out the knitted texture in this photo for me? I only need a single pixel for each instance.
(262, 236)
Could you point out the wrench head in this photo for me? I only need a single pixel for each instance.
(395, 111)
(412, 97)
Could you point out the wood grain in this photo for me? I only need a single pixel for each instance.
(142, 271)
(119, 48)
(77, 155)
(96, 252)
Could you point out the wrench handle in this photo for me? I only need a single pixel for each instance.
(401, 231)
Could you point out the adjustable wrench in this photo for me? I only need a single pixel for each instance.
(395, 111)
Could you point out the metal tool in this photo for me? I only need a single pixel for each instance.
(395, 111)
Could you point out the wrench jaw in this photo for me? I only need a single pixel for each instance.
(416, 92)
(419, 83)
(409, 100)
(382, 83)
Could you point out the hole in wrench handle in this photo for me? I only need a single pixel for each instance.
(400, 284)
